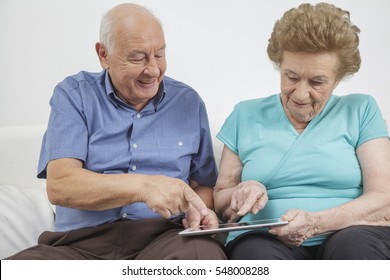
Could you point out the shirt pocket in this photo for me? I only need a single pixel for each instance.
(176, 154)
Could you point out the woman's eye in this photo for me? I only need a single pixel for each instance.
(292, 78)
(317, 83)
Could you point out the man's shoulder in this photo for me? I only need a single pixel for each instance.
(181, 92)
(172, 84)
(75, 80)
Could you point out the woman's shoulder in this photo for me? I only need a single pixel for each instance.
(355, 101)
(355, 98)
(258, 103)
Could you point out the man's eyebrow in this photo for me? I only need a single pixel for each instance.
(162, 48)
(135, 52)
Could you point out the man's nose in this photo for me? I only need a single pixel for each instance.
(151, 68)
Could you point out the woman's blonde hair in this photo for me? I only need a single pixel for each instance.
(319, 28)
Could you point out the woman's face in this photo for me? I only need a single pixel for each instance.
(307, 82)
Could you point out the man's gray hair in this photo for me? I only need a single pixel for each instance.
(106, 31)
(106, 26)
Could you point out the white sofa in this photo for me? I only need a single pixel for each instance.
(25, 211)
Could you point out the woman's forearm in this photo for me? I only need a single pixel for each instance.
(371, 208)
(222, 199)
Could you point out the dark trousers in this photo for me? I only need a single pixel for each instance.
(352, 243)
(149, 239)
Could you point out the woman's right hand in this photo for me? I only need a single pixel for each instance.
(249, 196)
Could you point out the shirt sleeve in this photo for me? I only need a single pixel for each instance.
(372, 123)
(229, 131)
(66, 135)
(203, 166)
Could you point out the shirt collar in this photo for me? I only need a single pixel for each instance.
(152, 105)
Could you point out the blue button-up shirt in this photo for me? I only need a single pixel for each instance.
(170, 136)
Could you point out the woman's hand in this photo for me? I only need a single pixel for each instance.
(302, 225)
(248, 196)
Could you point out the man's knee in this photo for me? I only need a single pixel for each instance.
(202, 248)
(171, 246)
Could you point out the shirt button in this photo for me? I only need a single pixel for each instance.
(135, 146)
(138, 116)
(134, 168)
(124, 215)
(180, 143)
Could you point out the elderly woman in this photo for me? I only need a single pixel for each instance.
(317, 160)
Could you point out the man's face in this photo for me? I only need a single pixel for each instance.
(136, 62)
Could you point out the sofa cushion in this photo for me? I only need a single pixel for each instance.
(19, 150)
(24, 214)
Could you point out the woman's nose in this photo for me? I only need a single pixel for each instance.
(302, 91)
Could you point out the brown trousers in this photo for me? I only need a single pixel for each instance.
(149, 239)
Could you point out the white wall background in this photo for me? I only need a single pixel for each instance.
(216, 46)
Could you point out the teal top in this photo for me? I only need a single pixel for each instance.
(315, 170)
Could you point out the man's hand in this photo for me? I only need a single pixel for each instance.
(169, 196)
(193, 219)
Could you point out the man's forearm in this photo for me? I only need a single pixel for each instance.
(206, 194)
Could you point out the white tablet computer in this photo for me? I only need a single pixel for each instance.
(234, 226)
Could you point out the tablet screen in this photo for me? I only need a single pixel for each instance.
(234, 226)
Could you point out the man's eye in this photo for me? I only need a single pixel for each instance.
(159, 55)
(137, 59)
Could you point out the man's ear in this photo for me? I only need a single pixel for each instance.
(102, 52)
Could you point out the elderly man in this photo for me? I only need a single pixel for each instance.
(127, 154)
